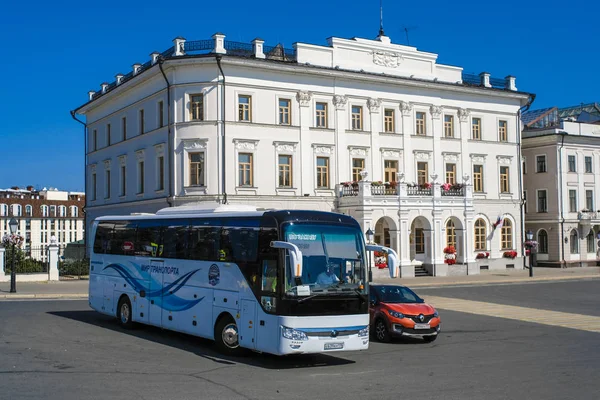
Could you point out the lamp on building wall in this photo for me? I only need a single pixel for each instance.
(13, 225)
(369, 234)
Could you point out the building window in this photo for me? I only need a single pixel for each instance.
(450, 234)
(321, 112)
(108, 136)
(161, 173)
(588, 165)
(245, 169)
(541, 164)
(357, 122)
(245, 108)
(420, 124)
(94, 140)
(388, 120)
(93, 187)
(124, 128)
(285, 171)
(141, 177)
(422, 172)
(476, 128)
(285, 112)
(589, 200)
(123, 181)
(506, 235)
(502, 131)
(323, 172)
(358, 165)
(449, 126)
(572, 200)
(196, 169)
(419, 241)
(572, 164)
(141, 122)
(591, 242)
(574, 242)
(28, 211)
(543, 242)
(478, 178)
(451, 173)
(161, 115)
(480, 235)
(390, 170)
(542, 201)
(107, 184)
(504, 180)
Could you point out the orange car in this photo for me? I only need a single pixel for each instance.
(397, 311)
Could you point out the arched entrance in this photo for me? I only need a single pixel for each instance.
(454, 236)
(385, 233)
(421, 241)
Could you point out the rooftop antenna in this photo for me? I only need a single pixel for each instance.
(406, 29)
(381, 18)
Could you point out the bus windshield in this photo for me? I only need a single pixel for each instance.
(333, 259)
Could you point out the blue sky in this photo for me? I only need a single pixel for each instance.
(56, 51)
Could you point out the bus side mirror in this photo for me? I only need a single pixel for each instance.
(295, 256)
(392, 258)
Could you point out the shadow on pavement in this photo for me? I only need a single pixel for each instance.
(203, 347)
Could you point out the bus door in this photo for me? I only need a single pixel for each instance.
(247, 324)
(155, 296)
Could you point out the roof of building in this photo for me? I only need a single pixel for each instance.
(551, 116)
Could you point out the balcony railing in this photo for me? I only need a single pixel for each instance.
(417, 191)
(383, 190)
(349, 191)
(586, 215)
(454, 192)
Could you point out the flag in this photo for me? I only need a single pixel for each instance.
(498, 223)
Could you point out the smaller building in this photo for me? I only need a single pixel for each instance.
(42, 214)
(561, 161)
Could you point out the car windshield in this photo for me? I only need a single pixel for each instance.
(396, 294)
(332, 259)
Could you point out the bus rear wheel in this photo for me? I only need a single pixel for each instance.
(124, 313)
(226, 336)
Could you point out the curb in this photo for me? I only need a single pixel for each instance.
(43, 296)
(492, 281)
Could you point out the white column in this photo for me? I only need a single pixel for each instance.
(407, 130)
(307, 167)
(53, 261)
(342, 169)
(374, 106)
(3, 277)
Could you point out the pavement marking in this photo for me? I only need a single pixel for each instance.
(581, 322)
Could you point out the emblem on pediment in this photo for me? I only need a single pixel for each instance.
(357, 151)
(246, 145)
(503, 159)
(322, 150)
(194, 144)
(387, 59)
(422, 155)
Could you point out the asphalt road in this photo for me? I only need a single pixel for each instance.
(63, 350)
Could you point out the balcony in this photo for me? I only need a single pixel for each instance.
(587, 215)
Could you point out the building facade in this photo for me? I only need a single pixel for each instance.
(561, 157)
(42, 214)
(318, 127)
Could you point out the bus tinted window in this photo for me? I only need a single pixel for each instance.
(176, 239)
(103, 237)
(148, 239)
(204, 243)
(242, 242)
(123, 239)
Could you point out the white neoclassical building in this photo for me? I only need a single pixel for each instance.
(318, 127)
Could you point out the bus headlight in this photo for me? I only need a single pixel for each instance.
(363, 332)
(293, 334)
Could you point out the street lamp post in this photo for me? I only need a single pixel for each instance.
(529, 235)
(369, 233)
(13, 224)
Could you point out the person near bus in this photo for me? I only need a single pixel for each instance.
(328, 276)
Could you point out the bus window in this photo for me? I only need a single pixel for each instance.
(123, 238)
(242, 242)
(148, 241)
(103, 237)
(176, 239)
(204, 240)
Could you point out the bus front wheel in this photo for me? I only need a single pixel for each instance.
(124, 312)
(226, 336)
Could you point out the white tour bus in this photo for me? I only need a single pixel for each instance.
(275, 281)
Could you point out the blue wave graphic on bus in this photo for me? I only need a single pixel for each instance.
(165, 296)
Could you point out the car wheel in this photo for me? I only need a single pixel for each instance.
(381, 331)
(226, 336)
(430, 338)
(125, 313)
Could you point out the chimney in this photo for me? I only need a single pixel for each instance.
(30, 188)
(154, 57)
(179, 44)
(510, 83)
(219, 39)
(104, 87)
(136, 68)
(258, 48)
(119, 78)
(485, 79)
(91, 94)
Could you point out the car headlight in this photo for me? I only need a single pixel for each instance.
(363, 332)
(396, 314)
(435, 314)
(293, 334)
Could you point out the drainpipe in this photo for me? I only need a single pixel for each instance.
(519, 169)
(560, 198)
(223, 107)
(170, 140)
(85, 137)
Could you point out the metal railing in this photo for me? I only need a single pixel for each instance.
(72, 263)
(453, 192)
(199, 45)
(475, 80)
(27, 260)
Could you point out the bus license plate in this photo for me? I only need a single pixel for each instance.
(421, 326)
(334, 346)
